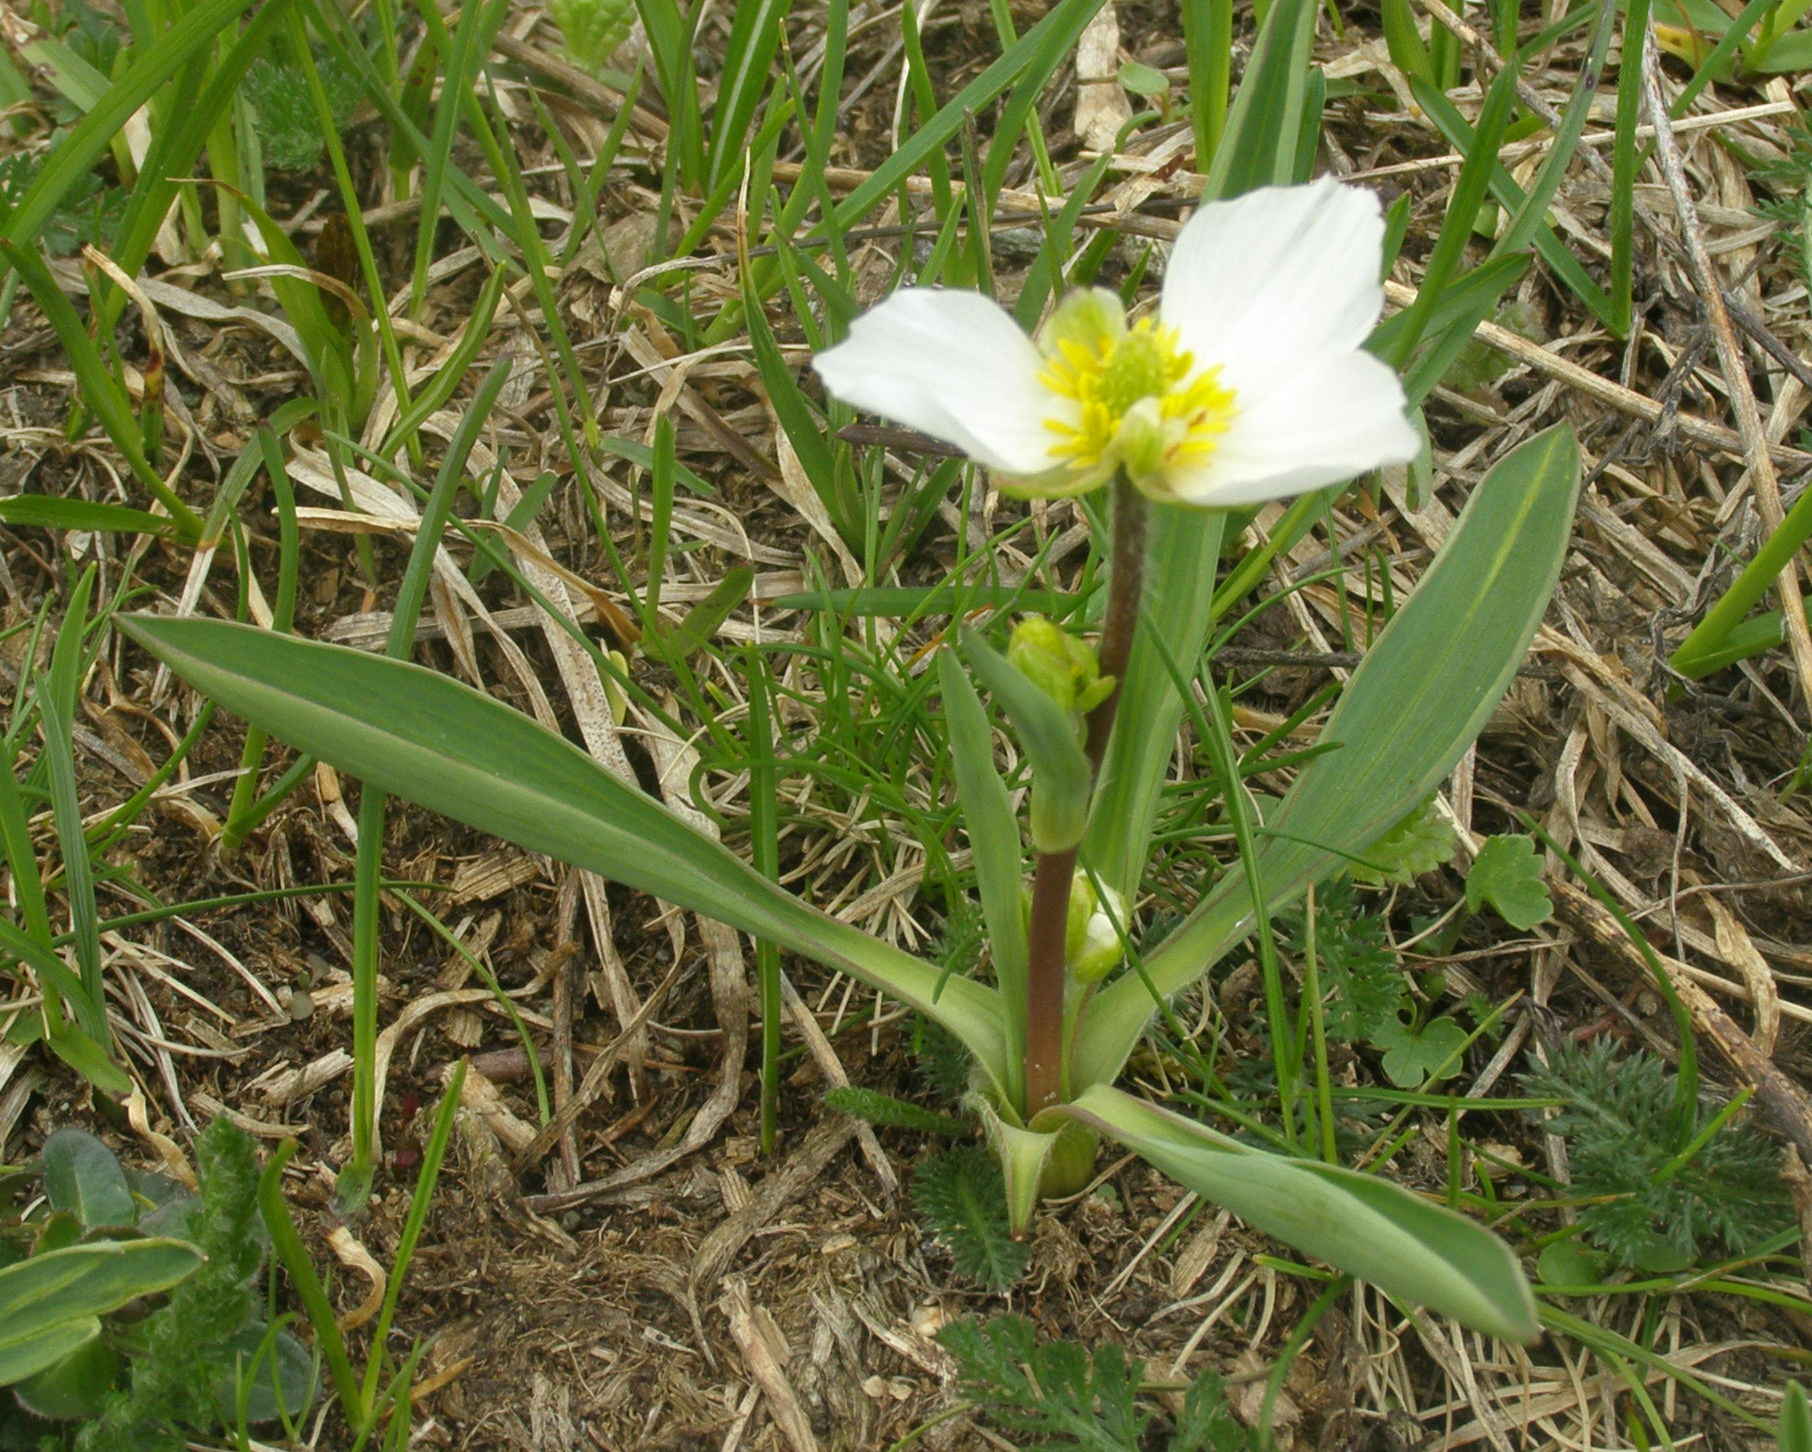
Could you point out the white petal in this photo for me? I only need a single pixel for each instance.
(1259, 283)
(1338, 416)
(953, 365)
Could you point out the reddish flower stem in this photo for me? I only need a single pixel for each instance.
(1055, 872)
(1045, 935)
(1125, 584)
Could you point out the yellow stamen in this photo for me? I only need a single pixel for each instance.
(1111, 373)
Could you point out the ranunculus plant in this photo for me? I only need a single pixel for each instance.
(1249, 382)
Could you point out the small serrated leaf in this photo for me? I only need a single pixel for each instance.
(960, 1193)
(1507, 873)
(1412, 1059)
(1420, 842)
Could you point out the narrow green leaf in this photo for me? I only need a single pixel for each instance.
(279, 1376)
(1174, 622)
(1208, 46)
(89, 1059)
(994, 842)
(1462, 211)
(54, 974)
(1408, 51)
(764, 853)
(1725, 634)
(100, 390)
(1796, 1420)
(88, 140)
(1059, 29)
(56, 709)
(287, 1243)
(670, 29)
(45, 511)
(643, 455)
(1620, 221)
(1259, 146)
(1463, 301)
(1443, 663)
(1408, 1247)
(748, 71)
(918, 601)
(458, 76)
(1017, 119)
(176, 144)
(1531, 214)
(702, 620)
(1554, 252)
(804, 429)
(420, 735)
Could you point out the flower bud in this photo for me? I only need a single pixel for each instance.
(1091, 941)
(1061, 666)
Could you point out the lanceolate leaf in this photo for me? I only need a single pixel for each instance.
(48, 1303)
(1408, 1247)
(995, 846)
(1047, 735)
(432, 740)
(1416, 702)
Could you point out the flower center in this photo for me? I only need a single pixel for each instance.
(1110, 375)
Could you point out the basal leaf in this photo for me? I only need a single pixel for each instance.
(1407, 1246)
(420, 735)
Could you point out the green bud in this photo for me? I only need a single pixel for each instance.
(1061, 666)
(1091, 943)
(1041, 652)
(1096, 952)
(1082, 908)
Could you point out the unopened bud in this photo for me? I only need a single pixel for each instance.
(1061, 666)
(1092, 946)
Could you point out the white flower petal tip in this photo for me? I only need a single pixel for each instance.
(950, 364)
(1249, 384)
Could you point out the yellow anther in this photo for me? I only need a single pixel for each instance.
(1108, 376)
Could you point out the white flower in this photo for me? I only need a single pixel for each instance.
(1248, 384)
